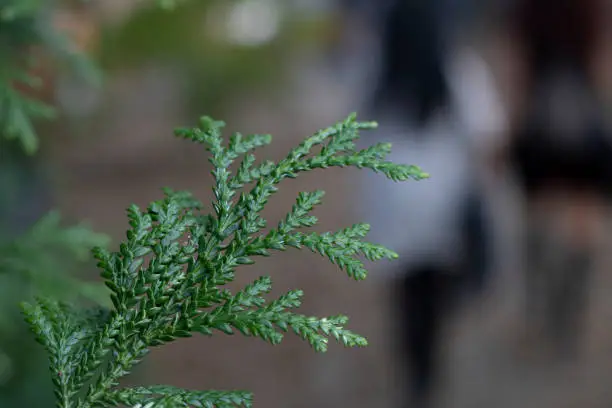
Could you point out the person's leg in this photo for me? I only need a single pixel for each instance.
(420, 327)
(563, 233)
(537, 253)
(583, 217)
(569, 301)
(478, 245)
(423, 297)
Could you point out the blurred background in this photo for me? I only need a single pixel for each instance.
(501, 296)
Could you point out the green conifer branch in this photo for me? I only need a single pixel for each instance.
(167, 278)
(171, 397)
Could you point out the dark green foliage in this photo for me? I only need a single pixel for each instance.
(46, 259)
(27, 36)
(168, 277)
(45, 255)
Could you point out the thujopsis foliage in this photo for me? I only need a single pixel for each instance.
(168, 278)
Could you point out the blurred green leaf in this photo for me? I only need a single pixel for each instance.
(25, 26)
(47, 255)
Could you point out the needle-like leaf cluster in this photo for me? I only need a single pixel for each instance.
(169, 277)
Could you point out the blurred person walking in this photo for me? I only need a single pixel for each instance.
(436, 103)
(561, 152)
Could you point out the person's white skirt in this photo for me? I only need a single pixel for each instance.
(419, 220)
